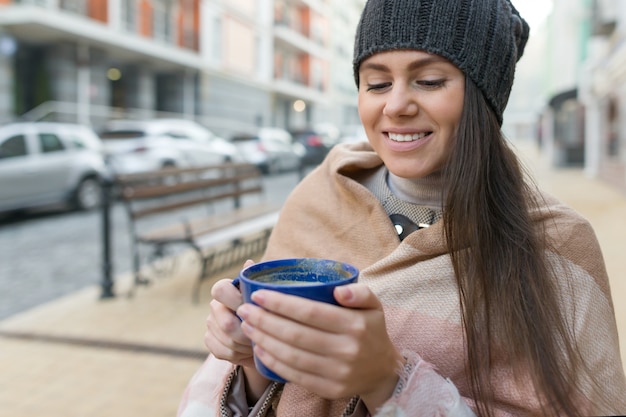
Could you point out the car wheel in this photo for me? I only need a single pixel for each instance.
(88, 194)
(273, 167)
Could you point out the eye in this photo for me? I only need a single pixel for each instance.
(377, 87)
(431, 84)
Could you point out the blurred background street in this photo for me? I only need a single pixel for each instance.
(54, 252)
(91, 91)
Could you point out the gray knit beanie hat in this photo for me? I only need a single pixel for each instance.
(484, 38)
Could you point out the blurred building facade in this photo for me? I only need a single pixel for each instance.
(233, 65)
(584, 61)
(561, 127)
(603, 92)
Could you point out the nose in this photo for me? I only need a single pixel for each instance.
(401, 101)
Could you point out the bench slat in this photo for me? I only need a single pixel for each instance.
(148, 191)
(205, 226)
(178, 204)
(167, 172)
(241, 229)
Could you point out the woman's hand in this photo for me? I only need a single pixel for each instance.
(225, 339)
(332, 351)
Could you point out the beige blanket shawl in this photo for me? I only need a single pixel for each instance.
(330, 215)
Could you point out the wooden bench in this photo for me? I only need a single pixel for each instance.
(222, 214)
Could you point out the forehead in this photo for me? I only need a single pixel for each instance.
(406, 57)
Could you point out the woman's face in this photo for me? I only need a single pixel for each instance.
(410, 103)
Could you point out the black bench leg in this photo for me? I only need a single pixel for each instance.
(206, 261)
(138, 279)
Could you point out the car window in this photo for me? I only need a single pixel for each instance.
(77, 141)
(243, 138)
(83, 140)
(13, 146)
(177, 134)
(49, 142)
(122, 134)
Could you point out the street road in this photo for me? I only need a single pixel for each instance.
(51, 253)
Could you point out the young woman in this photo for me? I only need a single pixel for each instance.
(478, 294)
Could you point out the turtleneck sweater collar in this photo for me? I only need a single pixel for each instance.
(426, 191)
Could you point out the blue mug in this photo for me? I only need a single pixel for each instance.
(310, 278)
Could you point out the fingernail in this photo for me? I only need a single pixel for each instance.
(247, 329)
(258, 351)
(258, 297)
(243, 312)
(345, 292)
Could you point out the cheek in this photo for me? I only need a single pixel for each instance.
(363, 108)
(447, 119)
(448, 110)
(456, 107)
(369, 112)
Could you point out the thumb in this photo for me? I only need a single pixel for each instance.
(357, 296)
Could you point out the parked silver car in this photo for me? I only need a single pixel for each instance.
(146, 145)
(271, 149)
(49, 163)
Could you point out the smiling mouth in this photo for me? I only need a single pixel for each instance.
(396, 137)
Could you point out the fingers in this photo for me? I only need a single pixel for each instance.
(308, 325)
(307, 370)
(323, 316)
(302, 355)
(334, 351)
(331, 364)
(293, 308)
(226, 293)
(283, 329)
(225, 326)
(224, 337)
(357, 296)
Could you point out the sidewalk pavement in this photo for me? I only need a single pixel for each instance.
(79, 356)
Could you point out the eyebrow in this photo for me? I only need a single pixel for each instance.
(433, 59)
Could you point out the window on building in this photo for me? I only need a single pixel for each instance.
(216, 39)
(188, 27)
(163, 12)
(129, 15)
(317, 75)
(288, 66)
(12, 147)
(35, 2)
(280, 13)
(75, 6)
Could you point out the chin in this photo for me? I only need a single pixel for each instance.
(414, 165)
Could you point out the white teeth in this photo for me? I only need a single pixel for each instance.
(407, 138)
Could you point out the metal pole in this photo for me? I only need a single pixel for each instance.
(107, 264)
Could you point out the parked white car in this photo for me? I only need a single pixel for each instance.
(272, 149)
(145, 145)
(49, 163)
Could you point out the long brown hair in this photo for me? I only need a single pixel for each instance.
(509, 300)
